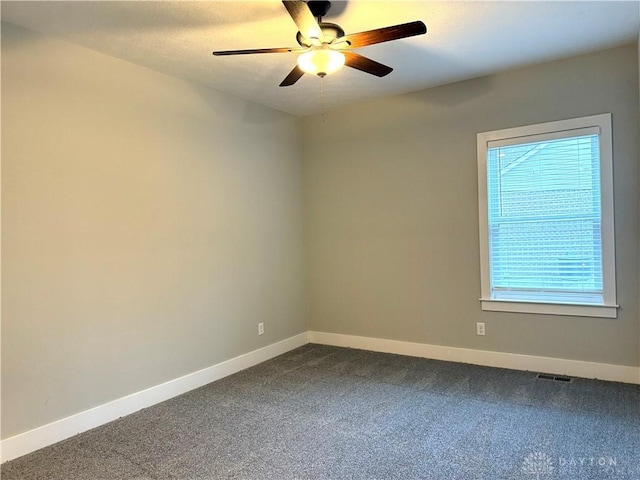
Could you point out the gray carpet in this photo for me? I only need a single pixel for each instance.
(323, 412)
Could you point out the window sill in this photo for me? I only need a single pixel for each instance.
(604, 311)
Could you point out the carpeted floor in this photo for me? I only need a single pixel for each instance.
(323, 412)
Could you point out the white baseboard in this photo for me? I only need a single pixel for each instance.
(558, 366)
(51, 433)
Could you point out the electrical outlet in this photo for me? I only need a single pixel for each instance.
(480, 328)
(261, 328)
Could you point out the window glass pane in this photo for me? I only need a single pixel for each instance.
(545, 220)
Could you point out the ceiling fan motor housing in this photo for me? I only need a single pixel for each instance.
(329, 30)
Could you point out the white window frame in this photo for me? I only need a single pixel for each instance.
(558, 129)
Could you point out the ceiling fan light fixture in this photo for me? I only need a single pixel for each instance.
(321, 61)
(325, 48)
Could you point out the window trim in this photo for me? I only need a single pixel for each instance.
(608, 309)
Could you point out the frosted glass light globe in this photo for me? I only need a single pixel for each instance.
(321, 61)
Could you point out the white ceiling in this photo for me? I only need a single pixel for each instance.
(464, 40)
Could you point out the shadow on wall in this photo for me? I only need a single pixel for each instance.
(438, 63)
(455, 94)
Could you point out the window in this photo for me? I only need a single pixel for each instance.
(546, 218)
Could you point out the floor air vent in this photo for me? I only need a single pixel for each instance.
(557, 378)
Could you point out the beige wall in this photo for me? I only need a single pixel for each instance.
(148, 226)
(392, 229)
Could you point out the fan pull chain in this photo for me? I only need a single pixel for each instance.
(322, 99)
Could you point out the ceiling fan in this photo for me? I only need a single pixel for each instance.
(325, 48)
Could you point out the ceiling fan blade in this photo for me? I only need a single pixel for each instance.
(304, 19)
(260, 50)
(293, 77)
(385, 34)
(364, 64)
